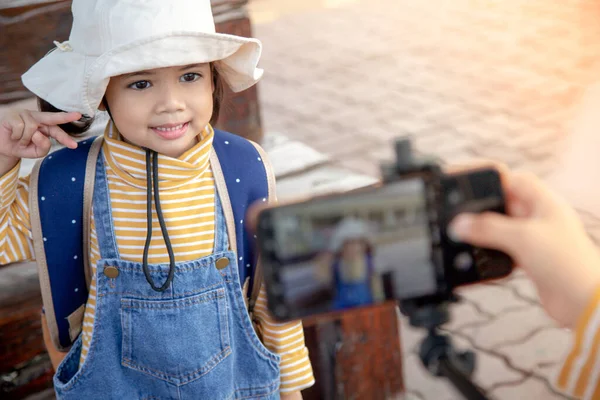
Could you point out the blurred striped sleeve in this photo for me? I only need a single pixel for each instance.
(286, 340)
(579, 375)
(15, 228)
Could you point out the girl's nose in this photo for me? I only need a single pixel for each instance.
(170, 100)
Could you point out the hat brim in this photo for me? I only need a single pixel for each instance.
(72, 81)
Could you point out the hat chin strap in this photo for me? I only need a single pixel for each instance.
(152, 181)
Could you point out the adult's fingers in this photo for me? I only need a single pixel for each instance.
(491, 230)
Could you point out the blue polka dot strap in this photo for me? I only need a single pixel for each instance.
(248, 179)
(57, 201)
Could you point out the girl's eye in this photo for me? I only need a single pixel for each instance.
(139, 85)
(190, 77)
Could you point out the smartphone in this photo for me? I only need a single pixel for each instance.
(383, 243)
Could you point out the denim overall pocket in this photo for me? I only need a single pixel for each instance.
(176, 340)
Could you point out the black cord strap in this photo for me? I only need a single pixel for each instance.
(152, 182)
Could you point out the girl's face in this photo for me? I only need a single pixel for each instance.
(354, 248)
(162, 109)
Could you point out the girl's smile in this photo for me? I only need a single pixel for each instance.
(171, 131)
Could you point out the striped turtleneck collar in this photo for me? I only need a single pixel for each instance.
(129, 161)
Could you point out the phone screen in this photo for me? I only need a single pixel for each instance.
(353, 250)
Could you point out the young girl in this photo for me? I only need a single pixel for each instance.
(354, 274)
(165, 316)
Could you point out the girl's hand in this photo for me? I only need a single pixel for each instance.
(26, 134)
(545, 237)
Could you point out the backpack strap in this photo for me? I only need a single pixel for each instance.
(60, 217)
(249, 178)
(272, 199)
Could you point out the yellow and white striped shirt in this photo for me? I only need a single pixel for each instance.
(579, 375)
(187, 198)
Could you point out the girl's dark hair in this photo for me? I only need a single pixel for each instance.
(78, 128)
(72, 128)
(218, 94)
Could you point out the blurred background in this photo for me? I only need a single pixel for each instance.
(509, 80)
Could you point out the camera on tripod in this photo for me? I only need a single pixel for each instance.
(382, 243)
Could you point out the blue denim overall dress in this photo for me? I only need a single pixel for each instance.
(193, 341)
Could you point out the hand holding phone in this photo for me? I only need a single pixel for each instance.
(545, 237)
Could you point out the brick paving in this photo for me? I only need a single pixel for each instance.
(466, 80)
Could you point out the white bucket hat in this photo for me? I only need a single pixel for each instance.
(114, 37)
(350, 229)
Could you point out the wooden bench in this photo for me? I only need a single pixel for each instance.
(356, 354)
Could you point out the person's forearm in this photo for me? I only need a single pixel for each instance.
(6, 164)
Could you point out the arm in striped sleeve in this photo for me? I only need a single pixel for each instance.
(286, 340)
(579, 375)
(16, 242)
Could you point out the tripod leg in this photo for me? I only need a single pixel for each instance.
(462, 382)
(440, 359)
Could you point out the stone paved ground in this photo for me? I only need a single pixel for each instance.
(466, 79)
